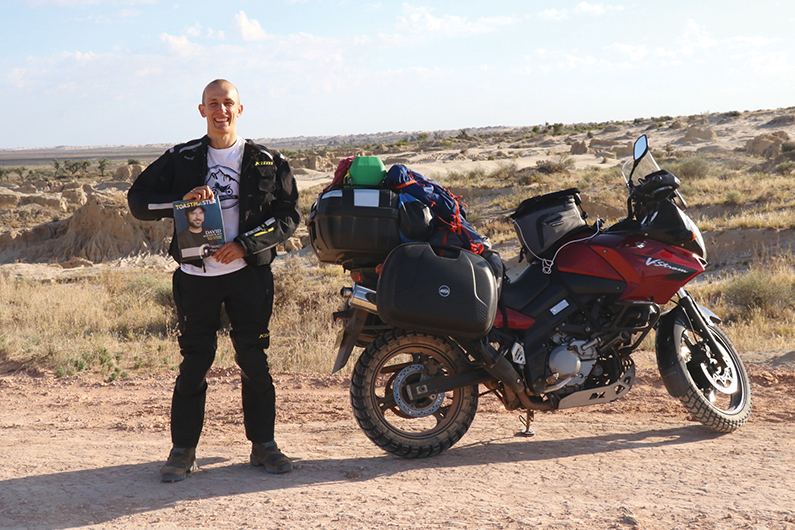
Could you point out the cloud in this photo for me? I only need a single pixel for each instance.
(572, 62)
(420, 20)
(194, 30)
(695, 38)
(181, 45)
(693, 44)
(86, 3)
(635, 53)
(217, 35)
(583, 8)
(772, 64)
(112, 18)
(197, 30)
(595, 9)
(249, 29)
(553, 14)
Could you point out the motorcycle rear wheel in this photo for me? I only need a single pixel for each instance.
(720, 388)
(399, 425)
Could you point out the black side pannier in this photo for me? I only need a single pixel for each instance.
(445, 292)
(542, 221)
(354, 227)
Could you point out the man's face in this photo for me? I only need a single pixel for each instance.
(221, 107)
(195, 218)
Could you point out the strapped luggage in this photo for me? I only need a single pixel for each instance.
(354, 227)
(542, 221)
(448, 214)
(454, 294)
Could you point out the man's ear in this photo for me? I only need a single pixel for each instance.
(201, 110)
(239, 110)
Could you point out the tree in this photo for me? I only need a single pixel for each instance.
(76, 166)
(102, 164)
(71, 166)
(56, 165)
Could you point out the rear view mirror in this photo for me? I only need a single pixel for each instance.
(641, 146)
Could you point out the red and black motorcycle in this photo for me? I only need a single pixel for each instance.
(436, 322)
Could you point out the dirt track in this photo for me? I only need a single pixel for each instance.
(78, 453)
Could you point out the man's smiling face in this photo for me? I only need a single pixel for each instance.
(221, 107)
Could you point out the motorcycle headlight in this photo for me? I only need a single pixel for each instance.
(693, 235)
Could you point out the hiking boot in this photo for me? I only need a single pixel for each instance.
(181, 461)
(269, 456)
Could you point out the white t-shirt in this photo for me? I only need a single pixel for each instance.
(223, 177)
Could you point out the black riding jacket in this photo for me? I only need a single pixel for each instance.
(269, 211)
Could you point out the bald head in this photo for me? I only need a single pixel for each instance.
(221, 107)
(219, 83)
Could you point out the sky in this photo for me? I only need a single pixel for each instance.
(129, 72)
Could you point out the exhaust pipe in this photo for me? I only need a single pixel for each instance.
(360, 297)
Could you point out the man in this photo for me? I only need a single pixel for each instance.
(193, 241)
(258, 197)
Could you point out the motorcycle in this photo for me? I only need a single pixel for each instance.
(561, 333)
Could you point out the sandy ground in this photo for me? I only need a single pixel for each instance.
(78, 453)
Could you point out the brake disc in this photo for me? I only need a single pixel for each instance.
(420, 408)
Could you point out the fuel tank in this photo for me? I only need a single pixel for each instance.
(653, 271)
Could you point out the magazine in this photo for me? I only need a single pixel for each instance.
(200, 229)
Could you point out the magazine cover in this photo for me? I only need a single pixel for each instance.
(200, 229)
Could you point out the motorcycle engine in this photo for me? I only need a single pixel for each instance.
(572, 360)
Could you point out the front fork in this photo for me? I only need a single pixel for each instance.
(700, 317)
(673, 368)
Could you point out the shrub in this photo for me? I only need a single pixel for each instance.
(307, 198)
(785, 168)
(759, 288)
(690, 168)
(733, 196)
(562, 164)
(504, 171)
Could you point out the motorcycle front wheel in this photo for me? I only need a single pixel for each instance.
(720, 389)
(399, 425)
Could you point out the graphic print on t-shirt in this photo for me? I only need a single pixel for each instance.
(225, 183)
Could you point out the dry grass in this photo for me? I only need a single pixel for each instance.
(110, 325)
(124, 323)
(758, 306)
(302, 331)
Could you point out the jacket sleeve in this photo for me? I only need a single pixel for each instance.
(285, 214)
(151, 195)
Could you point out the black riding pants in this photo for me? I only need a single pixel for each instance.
(247, 296)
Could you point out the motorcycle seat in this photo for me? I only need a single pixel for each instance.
(517, 293)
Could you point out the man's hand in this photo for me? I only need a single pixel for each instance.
(199, 193)
(229, 252)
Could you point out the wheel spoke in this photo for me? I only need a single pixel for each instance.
(394, 368)
(387, 402)
(441, 414)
